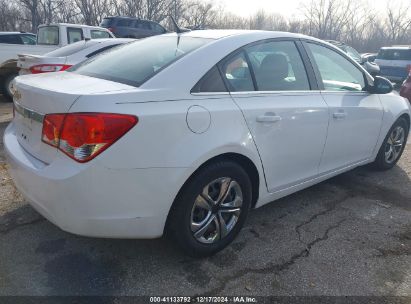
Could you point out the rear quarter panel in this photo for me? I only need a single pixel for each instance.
(162, 137)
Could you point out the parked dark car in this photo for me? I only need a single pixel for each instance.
(128, 27)
(17, 38)
(369, 66)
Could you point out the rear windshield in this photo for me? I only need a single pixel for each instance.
(71, 48)
(106, 22)
(136, 62)
(394, 54)
(48, 35)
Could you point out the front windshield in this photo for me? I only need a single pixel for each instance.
(136, 62)
(48, 35)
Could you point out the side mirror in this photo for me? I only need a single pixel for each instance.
(381, 86)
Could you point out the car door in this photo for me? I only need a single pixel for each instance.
(355, 114)
(285, 113)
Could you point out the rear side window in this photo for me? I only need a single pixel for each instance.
(96, 34)
(211, 82)
(135, 62)
(48, 35)
(145, 25)
(237, 73)
(74, 34)
(124, 22)
(10, 39)
(106, 22)
(394, 54)
(157, 28)
(277, 66)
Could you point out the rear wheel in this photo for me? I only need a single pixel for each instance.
(393, 145)
(211, 208)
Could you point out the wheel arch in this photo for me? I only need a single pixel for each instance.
(406, 116)
(245, 162)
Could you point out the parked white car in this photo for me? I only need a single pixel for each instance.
(49, 38)
(67, 56)
(188, 132)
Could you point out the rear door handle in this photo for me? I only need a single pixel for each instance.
(268, 117)
(340, 115)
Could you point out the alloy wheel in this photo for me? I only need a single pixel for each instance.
(216, 210)
(394, 145)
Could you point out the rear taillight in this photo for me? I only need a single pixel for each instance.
(47, 68)
(82, 136)
(112, 29)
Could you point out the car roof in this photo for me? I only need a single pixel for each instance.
(127, 17)
(399, 47)
(73, 25)
(219, 34)
(16, 33)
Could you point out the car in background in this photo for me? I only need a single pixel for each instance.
(394, 62)
(49, 38)
(369, 66)
(186, 132)
(128, 27)
(67, 56)
(17, 38)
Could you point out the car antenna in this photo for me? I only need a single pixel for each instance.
(177, 28)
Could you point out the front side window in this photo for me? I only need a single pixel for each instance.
(96, 34)
(135, 62)
(74, 34)
(48, 35)
(237, 73)
(277, 66)
(337, 72)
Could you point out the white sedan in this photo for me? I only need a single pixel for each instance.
(66, 56)
(185, 133)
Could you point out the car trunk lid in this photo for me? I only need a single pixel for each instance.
(25, 62)
(38, 95)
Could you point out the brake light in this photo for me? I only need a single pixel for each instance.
(112, 29)
(83, 136)
(47, 68)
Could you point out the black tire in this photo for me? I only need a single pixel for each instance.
(181, 218)
(5, 86)
(381, 162)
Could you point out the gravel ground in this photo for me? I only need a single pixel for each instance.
(350, 235)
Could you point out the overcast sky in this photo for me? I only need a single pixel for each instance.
(285, 7)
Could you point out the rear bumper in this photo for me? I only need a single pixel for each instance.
(90, 199)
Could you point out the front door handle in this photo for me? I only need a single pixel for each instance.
(268, 117)
(340, 115)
